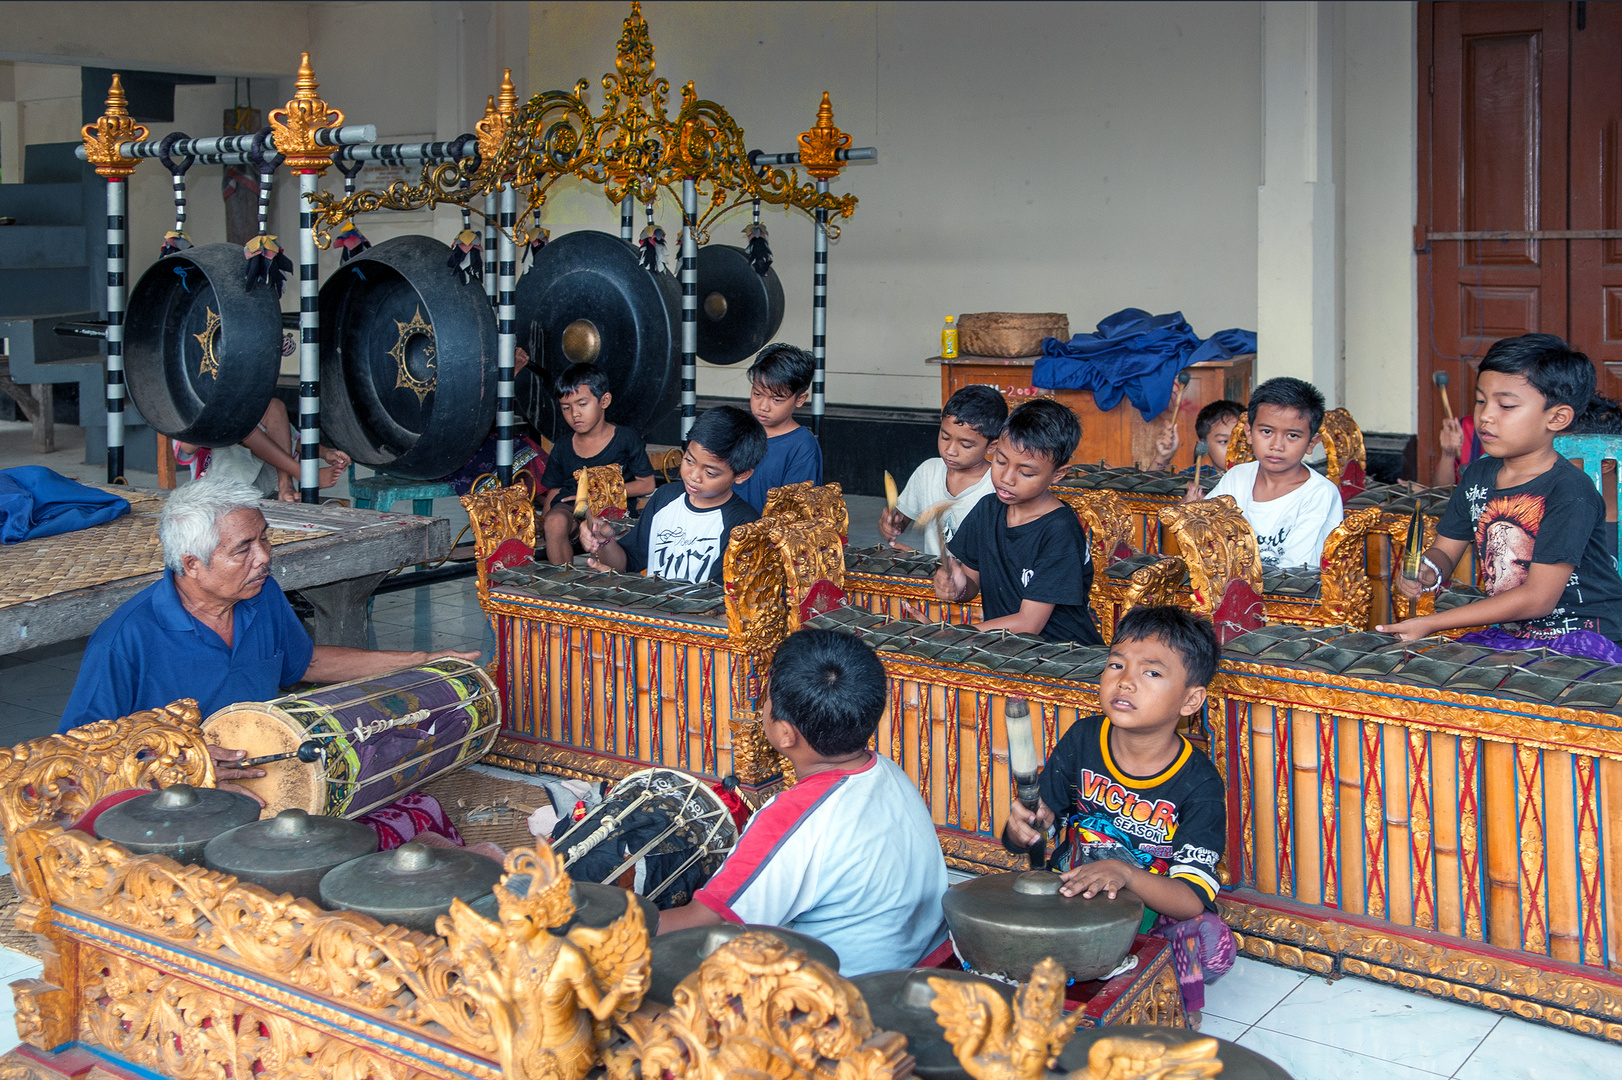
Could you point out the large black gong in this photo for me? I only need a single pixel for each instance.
(587, 299)
(738, 310)
(201, 355)
(408, 360)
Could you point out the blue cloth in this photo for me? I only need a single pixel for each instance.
(152, 651)
(792, 458)
(36, 502)
(1135, 355)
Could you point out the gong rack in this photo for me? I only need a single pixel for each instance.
(632, 148)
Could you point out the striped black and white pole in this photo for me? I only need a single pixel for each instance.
(267, 177)
(819, 314)
(309, 350)
(177, 177)
(489, 247)
(506, 318)
(628, 219)
(689, 304)
(117, 256)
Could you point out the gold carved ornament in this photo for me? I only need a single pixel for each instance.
(820, 146)
(1217, 545)
(1239, 449)
(1343, 442)
(104, 140)
(294, 125)
(497, 515)
(995, 1042)
(1108, 525)
(757, 1008)
(1345, 590)
(806, 501)
(499, 111)
(404, 378)
(631, 146)
(603, 487)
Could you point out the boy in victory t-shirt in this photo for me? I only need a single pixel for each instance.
(1537, 521)
(970, 423)
(1291, 508)
(1023, 552)
(683, 531)
(1139, 806)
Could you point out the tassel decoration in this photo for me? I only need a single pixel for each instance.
(538, 238)
(654, 251)
(174, 240)
(758, 249)
(351, 240)
(467, 256)
(267, 263)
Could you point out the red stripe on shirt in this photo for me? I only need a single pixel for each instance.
(766, 833)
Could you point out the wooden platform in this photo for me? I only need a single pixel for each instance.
(62, 587)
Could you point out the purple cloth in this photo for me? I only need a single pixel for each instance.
(1588, 644)
(1202, 951)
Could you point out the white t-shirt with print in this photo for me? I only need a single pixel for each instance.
(925, 488)
(1290, 531)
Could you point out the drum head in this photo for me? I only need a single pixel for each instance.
(587, 299)
(201, 353)
(739, 311)
(263, 730)
(408, 360)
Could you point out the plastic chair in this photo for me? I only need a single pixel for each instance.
(1593, 451)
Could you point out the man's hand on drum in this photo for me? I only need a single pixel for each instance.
(224, 761)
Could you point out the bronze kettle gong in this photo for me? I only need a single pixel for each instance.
(1005, 924)
(289, 853)
(411, 886)
(900, 1001)
(677, 955)
(177, 821)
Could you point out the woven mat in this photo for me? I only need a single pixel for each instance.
(485, 807)
(125, 548)
(10, 936)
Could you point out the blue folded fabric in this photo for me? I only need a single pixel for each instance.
(36, 502)
(1135, 355)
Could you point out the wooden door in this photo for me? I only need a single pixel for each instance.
(1596, 190)
(1493, 155)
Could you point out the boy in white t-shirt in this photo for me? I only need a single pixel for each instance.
(1291, 508)
(970, 423)
(848, 854)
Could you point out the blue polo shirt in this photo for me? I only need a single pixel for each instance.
(152, 651)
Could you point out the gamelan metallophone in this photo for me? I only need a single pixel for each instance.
(881, 579)
(1431, 814)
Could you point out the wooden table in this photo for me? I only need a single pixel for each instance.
(346, 555)
(1119, 436)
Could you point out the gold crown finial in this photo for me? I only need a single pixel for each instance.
(295, 125)
(507, 98)
(104, 140)
(305, 86)
(819, 146)
(117, 103)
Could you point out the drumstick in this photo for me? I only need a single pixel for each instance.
(933, 516)
(308, 752)
(582, 505)
(1440, 379)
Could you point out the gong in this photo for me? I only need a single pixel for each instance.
(587, 299)
(408, 360)
(201, 355)
(738, 310)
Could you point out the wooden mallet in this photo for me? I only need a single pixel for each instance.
(1440, 379)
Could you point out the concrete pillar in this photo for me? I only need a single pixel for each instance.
(1299, 294)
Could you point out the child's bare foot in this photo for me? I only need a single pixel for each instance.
(1194, 1020)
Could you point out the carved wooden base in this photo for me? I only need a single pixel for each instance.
(1586, 1000)
(72, 1062)
(1147, 994)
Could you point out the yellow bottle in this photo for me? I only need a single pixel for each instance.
(949, 340)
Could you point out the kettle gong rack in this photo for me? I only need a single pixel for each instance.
(632, 147)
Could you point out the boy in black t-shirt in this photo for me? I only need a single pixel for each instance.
(1140, 808)
(683, 532)
(583, 394)
(1536, 520)
(1023, 552)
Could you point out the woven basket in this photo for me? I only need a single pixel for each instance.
(1009, 333)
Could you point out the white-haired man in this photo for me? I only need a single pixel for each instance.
(216, 628)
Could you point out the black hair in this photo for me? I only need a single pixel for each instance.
(1190, 636)
(784, 368)
(1288, 393)
(979, 407)
(574, 376)
(1601, 416)
(1213, 414)
(731, 434)
(1560, 373)
(1046, 428)
(831, 687)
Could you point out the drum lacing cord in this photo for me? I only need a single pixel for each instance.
(176, 239)
(609, 822)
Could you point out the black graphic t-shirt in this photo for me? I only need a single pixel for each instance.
(674, 539)
(1174, 824)
(1556, 517)
(625, 449)
(1046, 560)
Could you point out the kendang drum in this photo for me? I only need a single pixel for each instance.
(659, 833)
(369, 741)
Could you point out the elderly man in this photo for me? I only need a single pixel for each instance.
(216, 628)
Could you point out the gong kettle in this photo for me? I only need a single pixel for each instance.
(1005, 924)
(289, 853)
(411, 886)
(1238, 1063)
(177, 821)
(900, 1001)
(677, 955)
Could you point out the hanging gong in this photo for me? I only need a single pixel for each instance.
(201, 354)
(738, 310)
(587, 299)
(408, 360)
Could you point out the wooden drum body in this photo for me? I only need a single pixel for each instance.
(383, 737)
(1432, 815)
